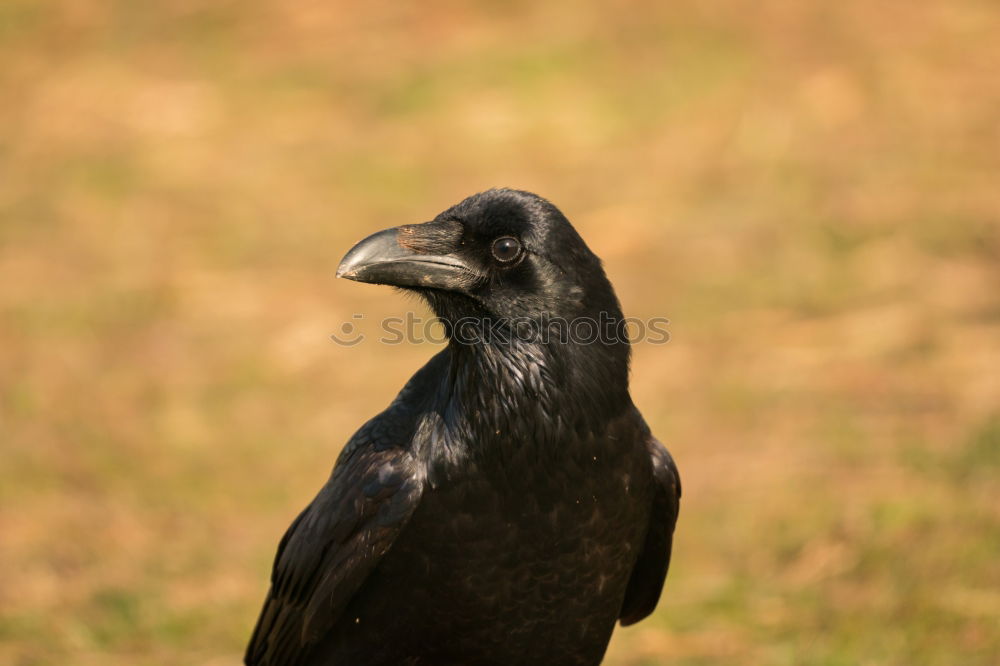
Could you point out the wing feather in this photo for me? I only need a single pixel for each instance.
(332, 547)
(644, 587)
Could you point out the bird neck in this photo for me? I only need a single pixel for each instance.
(551, 388)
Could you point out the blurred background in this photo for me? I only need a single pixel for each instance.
(808, 190)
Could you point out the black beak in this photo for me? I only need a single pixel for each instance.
(380, 259)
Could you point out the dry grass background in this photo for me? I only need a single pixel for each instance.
(808, 190)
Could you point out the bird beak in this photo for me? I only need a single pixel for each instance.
(381, 259)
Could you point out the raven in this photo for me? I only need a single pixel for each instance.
(510, 505)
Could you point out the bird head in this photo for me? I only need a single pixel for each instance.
(502, 254)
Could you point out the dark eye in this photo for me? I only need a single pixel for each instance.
(506, 249)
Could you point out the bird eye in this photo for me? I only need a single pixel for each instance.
(506, 249)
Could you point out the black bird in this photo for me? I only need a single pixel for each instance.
(510, 505)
